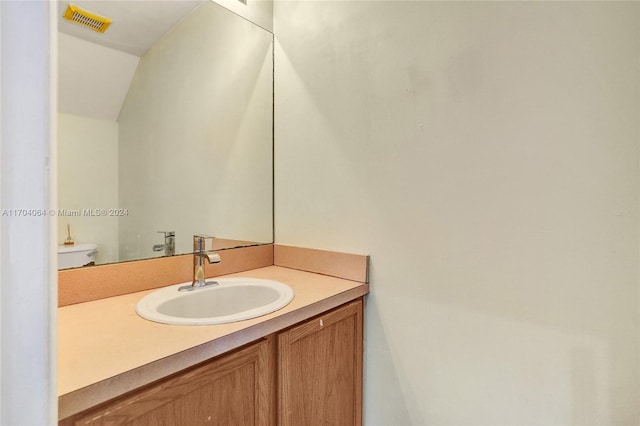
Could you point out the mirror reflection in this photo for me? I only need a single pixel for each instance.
(164, 126)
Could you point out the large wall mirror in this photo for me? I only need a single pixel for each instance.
(165, 123)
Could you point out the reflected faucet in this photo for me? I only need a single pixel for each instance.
(199, 256)
(169, 245)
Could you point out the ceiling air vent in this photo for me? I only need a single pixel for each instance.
(88, 19)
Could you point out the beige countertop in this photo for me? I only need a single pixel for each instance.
(105, 349)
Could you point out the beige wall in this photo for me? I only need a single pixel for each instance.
(93, 79)
(88, 179)
(486, 156)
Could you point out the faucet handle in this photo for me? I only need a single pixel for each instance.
(199, 242)
(169, 245)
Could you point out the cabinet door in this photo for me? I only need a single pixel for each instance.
(234, 389)
(320, 364)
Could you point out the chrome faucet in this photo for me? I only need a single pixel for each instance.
(199, 256)
(169, 245)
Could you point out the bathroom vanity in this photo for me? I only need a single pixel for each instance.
(308, 372)
(294, 366)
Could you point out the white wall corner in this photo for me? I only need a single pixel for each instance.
(28, 277)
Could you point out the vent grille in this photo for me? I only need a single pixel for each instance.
(88, 19)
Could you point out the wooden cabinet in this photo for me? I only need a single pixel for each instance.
(234, 389)
(310, 374)
(320, 370)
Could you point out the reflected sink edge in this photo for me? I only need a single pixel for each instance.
(148, 307)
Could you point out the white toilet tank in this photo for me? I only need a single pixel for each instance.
(76, 255)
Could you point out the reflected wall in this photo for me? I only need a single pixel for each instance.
(187, 148)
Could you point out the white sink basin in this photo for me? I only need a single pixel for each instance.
(233, 299)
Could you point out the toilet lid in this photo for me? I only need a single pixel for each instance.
(77, 247)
